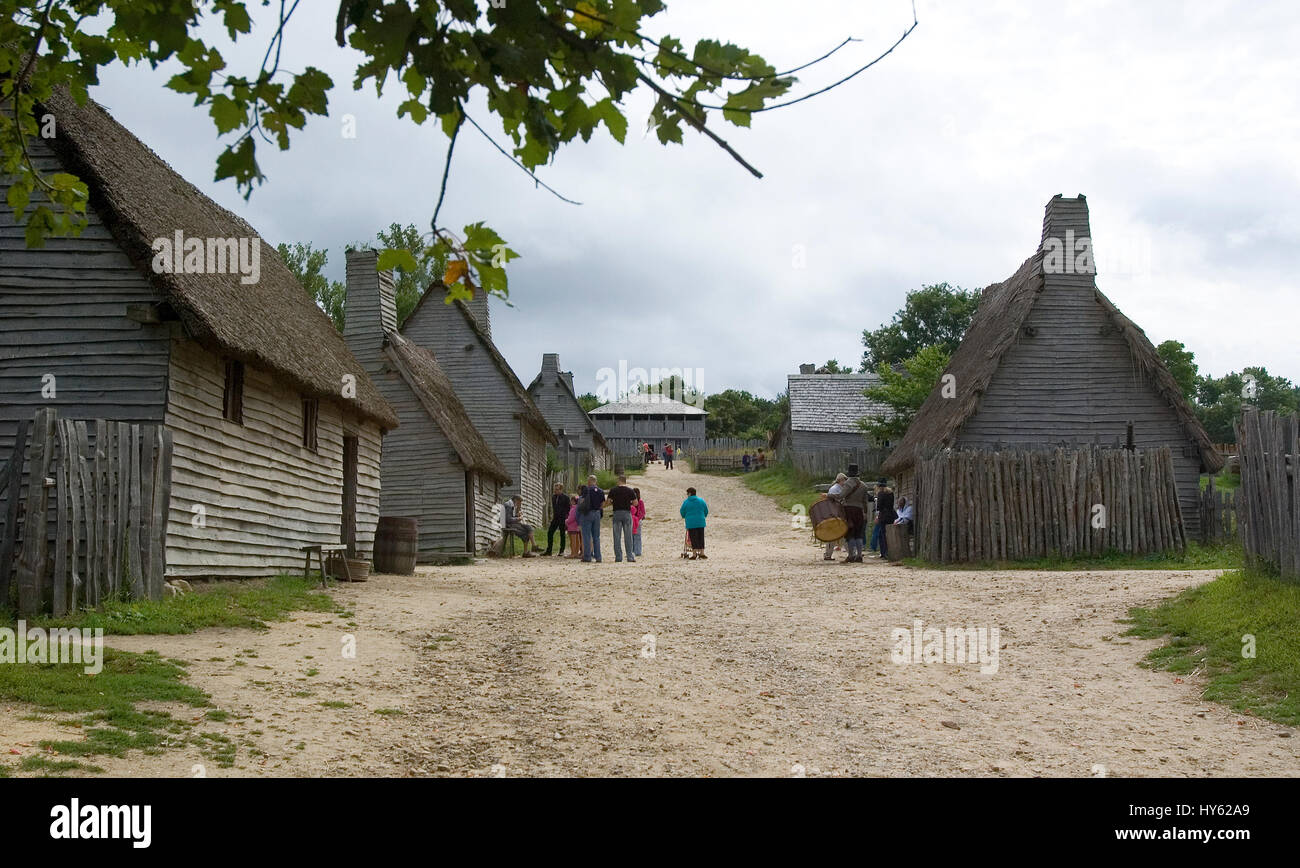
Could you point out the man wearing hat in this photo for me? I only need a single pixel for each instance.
(854, 495)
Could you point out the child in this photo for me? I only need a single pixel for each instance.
(638, 516)
(571, 525)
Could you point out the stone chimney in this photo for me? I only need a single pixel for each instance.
(478, 308)
(807, 369)
(371, 307)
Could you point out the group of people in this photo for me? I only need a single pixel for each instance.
(754, 462)
(577, 517)
(667, 453)
(858, 501)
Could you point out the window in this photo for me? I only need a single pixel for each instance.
(310, 415)
(233, 395)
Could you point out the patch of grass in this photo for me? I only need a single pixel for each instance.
(1209, 627)
(607, 479)
(1197, 557)
(336, 703)
(4, 771)
(784, 484)
(218, 715)
(389, 711)
(110, 722)
(1225, 481)
(250, 603)
(39, 763)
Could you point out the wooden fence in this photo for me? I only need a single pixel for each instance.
(733, 443)
(825, 463)
(1219, 521)
(92, 520)
(1269, 497)
(981, 506)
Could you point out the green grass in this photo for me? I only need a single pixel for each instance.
(249, 604)
(787, 486)
(106, 704)
(1197, 557)
(1225, 481)
(607, 479)
(1206, 626)
(37, 763)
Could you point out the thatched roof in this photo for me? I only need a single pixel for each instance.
(994, 329)
(272, 324)
(421, 371)
(531, 415)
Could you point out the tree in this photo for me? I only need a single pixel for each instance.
(1221, 400)
(1181, 365)
(550, 70)
(409, 285)
(736, 413)
(308, 265)
(589, 402)
(833, 367)
(935, 315)
(904, 392)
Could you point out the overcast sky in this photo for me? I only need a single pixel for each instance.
(1178, 120)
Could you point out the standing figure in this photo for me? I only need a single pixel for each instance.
(694, 510)
(638, 516)
(559, 515)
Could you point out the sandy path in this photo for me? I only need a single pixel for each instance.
(767, 661)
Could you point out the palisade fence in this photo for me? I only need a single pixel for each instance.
(1219, 516)
(1269, 496)
(733, 443)
(980, 506)
(826, 463)
(90, 522)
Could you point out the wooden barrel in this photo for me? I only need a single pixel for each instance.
(396, 540)
(898, 539)
(828, 521)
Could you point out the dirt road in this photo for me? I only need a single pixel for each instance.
(762, 660)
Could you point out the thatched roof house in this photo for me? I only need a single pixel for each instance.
(825, 410)
(170, 309)
(460, 337)
(1049, 360)
(582, 446)
(436, 468)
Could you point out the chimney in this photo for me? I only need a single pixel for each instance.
(568, 378)
(371, 308)
(478, 308)
(550, 363)
(807, 369)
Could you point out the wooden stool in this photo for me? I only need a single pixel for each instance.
(326, 553)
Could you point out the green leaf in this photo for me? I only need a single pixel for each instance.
(226, 113)
(391, 258)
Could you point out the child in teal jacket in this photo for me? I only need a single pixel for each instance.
(694, 510)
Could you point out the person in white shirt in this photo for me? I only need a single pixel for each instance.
(904, 511)
(834, 492)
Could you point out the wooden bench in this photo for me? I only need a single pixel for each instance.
(326, 554)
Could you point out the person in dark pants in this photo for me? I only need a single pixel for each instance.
(668, 457)
(694, 510)
(885, 514)
(559, 515)
(621, 497)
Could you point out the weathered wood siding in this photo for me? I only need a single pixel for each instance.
(263, 494)
(488, 495)
(625, 434)
(811, 441)
(1074, 382)
(485, 391)
(63, 312)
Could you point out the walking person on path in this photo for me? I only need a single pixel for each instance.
(559, 515)
(668, 456)
(590, 512)
(622, 497)
(694, 510)
(638, 516)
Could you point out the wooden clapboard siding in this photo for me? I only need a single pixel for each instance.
(534, 485)
(63, 312)
(488, 495)
(487, 394)
(264, 494)
(1075, 382)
